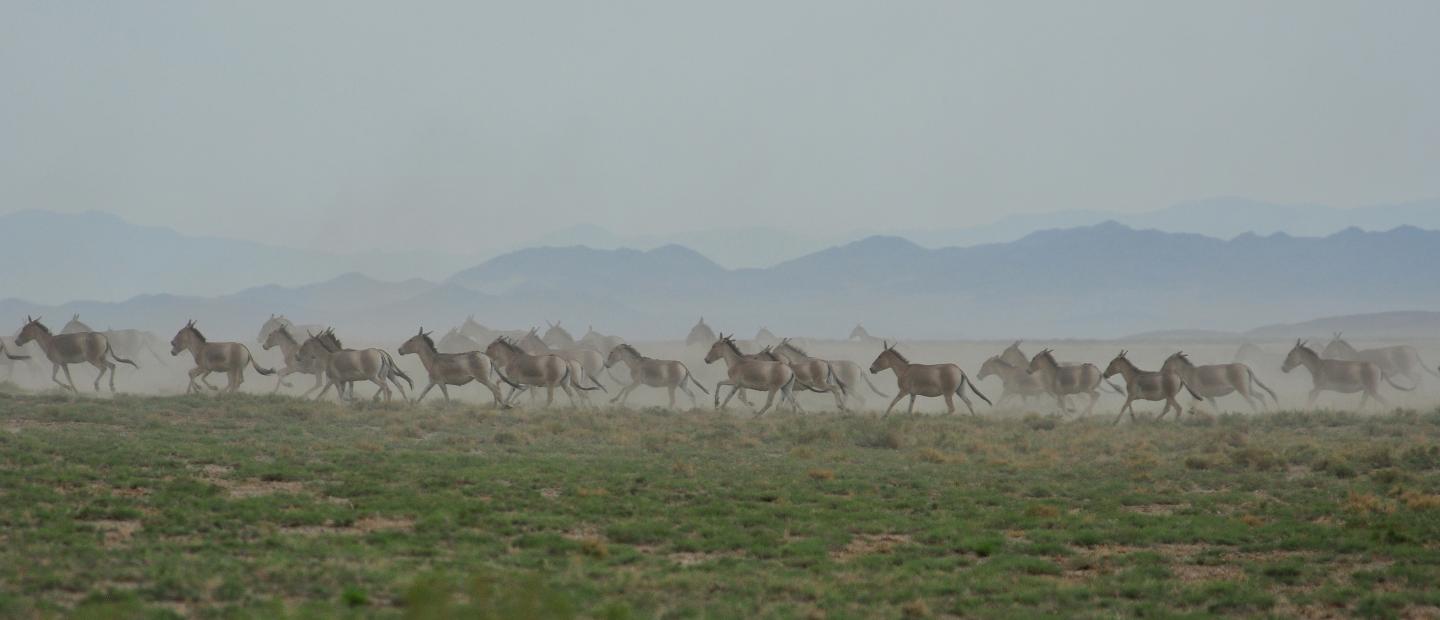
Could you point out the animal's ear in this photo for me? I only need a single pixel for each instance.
(77, 317)
(422, 330)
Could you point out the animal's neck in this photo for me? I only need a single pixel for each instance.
(899, 365)
(1128, 370)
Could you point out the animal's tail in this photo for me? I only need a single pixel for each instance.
(111, 351)
(496, 369)
(1191, 391)
(1115, 387)
(256, 365)
(1398, 386)
(395, 369)
(13, 357)
(965, 379)
(872, 386)
(694, 380)
(575, 383)
(1256, 381)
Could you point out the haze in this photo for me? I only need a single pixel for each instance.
(459, 126)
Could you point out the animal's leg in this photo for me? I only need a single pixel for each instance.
(733, 389)
(769, 398)
(101, 368)
(1094, 397)
(694, 402)
(280, 379)
(1310, 402)
(968, 404)
(444, 391)
(68, 379)
(1364, 398)
(950, 404)
(204, 378)
(910, 410)
(892, 403)
(427, 391)
(671, 390)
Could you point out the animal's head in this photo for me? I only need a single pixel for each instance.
(1177, 362)
(887, 359)
(620, 353)
(718, 349)
(556, 336)
(859, 333)
(992, 366)
(1298, 355)
(277, 336)
(1118, 365)
(32, 329)
(1013, 356)
(418, 343)
(185, 338)
(1043, 360)
(275, 321)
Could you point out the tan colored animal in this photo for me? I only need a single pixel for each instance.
(290, 351)
(1395, 361)
(227, 357)
(648, 371)
(276, 320)
(344, 366)
(517, 366)
(1061, 381)
(1150, 385)
(1344, 376)
(1017, 382)
(65, 349)
(557, 337)
(446, 369)
(764, 375)
(932, 380)
(811, 373)
(1215, 380)
(847, 373)
(591, 362)
(125, 342)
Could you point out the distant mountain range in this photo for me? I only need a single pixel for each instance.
(55, 257)
(1105, 280)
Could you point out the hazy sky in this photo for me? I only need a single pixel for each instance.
(364, 124)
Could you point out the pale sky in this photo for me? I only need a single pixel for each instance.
(393, 124)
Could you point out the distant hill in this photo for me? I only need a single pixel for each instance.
(1222, 218)
(1373, 326)
(51, 257)
(1100, 281)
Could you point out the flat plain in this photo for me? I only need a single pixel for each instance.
(267, 506)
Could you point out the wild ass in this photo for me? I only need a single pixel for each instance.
(1061, 381)
(65, 349)
(227, 357)
(126, 342)
(446, 369)
(591, 362)
(346, 366)
(1147, 385)
(1215, 380)
(700, 334)
(517, 366)
(913, 380)
(290, 352)
(557, 337)
(668, 374)
(455, 341)
(598, 341)
(847, 373)
(1395, 361)
(1344, 376)
(813, 374)
(1016, 380)
(764, 375)
(861, 335)
(276, 320)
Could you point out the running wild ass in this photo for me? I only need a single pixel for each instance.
(913, 380)
(1395, 361)
(648, 371)
(446, 369)
(741, 373)
(1215, 380)
(65, 349)
(1161, 385)
(1344, 376)
(227, 357)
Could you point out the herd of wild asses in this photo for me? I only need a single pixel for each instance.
(527, 361)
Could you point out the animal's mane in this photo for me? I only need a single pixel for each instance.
(626, 347)
(428, 341)
(794, 347)
(196, 331)
(284, 330)
(898, 354)
(1001, 361)
(510, 346)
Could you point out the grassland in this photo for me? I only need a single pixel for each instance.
(267, 506)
